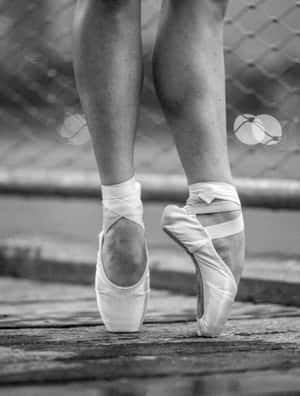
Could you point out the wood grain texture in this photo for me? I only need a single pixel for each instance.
(262, 383)
(47, 336)
(47, 354)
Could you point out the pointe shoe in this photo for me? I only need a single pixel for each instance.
(214, 277)
(122, 308)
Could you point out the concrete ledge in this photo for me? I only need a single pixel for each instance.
(255, 193)
(265, 280)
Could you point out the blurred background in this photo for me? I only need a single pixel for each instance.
(42, 126)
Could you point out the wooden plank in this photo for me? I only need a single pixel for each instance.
(265, 279)
(24, 291)
(46, 354)
(30, 304)
(263, 383)
(25, 303)
(43, 338)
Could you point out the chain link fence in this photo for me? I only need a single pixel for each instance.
(42, 126)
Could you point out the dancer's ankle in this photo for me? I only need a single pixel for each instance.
(213, 211)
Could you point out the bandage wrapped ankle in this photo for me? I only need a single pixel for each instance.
(122, 309)
(219, 287)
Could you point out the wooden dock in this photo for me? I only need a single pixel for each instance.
(52, 341)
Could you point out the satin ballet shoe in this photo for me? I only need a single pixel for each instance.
(122, 308)
(215, 279)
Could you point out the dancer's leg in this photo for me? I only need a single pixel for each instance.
(108, 70)
(189, 76)
(190, 82)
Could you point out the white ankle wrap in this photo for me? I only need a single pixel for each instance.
(218, 283)
(122, 200)
(122, 309)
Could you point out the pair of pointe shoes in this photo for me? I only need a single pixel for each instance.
(123, 308)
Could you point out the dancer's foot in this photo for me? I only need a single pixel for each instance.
(122, 274)
(210, 228)
(124, 255)
(231, 248)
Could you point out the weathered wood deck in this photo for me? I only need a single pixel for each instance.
(51, 336)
